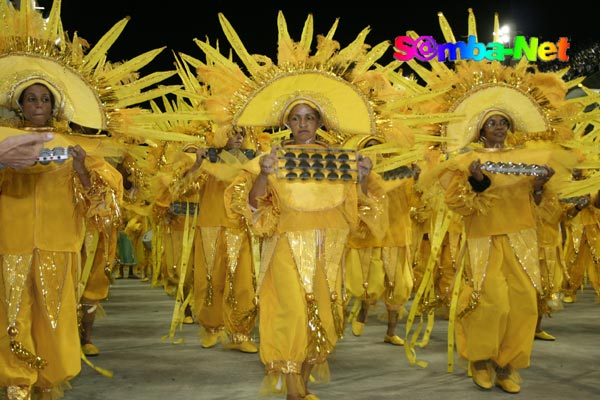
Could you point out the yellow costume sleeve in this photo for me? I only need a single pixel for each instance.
(263, 220)
(102, 200)
(170, 185)
(372, 208)
(462, 199)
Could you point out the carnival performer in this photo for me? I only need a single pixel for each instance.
(223, 265)
(171, 213)
(39, 313)
(98, 261)
(137, 166)
(582, 241)
(302, 213)
(550, 213)
(383, 264)
(498, 304)
(48, 81)
(304, 228)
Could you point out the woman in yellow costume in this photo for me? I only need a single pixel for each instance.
(173, 212)
(500, 152)
(136, 167)
(302, 221)
(496, 327)
(582, 242)
(48, 207)
(304, 228)
(39, 311)
(98, 260)
(550, 214)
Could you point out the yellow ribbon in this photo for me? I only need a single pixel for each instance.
(91, 247)
(157, 251)
(454, 302)
(189, 229)
(442, 223)
(104, 372)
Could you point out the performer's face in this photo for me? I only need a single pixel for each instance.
(304, 121)
(494, 131)
(36, 104)
(236, 139)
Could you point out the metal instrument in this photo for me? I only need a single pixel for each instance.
(57, 154)
(510, 168)
(317, 164)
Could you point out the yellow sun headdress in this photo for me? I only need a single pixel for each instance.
(89, 90)
(535, 101)
(345, 84)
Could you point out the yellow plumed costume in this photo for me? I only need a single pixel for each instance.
(46, 211)
(498, 282)
(303, 226)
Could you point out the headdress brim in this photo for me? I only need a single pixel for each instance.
(79, 101)
(527, 115)
(343, 108)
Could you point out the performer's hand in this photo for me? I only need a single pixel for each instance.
(475, 170)
(364, 165)
(23, 150)
(268, 162)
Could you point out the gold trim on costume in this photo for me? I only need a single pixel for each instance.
(304, 247)
(15, 270)
(209, 246)
(233, 240)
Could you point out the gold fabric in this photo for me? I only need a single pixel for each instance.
(582, 250)
(502, 325)
(223, 273)
(44, 318)
(301, 257)
(503, 263)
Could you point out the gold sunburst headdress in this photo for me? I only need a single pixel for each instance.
(350, 88)
(92, 92)
(536, 101)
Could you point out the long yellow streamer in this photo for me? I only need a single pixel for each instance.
(442, 223)
(189, 229)
(91, 246)
(454, 302)
(105, 372)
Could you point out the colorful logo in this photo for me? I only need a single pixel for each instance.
(425, 48)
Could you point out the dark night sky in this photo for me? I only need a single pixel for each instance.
(176, 23)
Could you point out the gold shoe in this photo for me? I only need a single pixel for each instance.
(310, 396)
(188, 320)
(507, 384)
(481, 375)
(90, 350)
(395, 340)
(210, 340)
(569, 299)
(543, 335)
(357, 327)
(246, 347)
